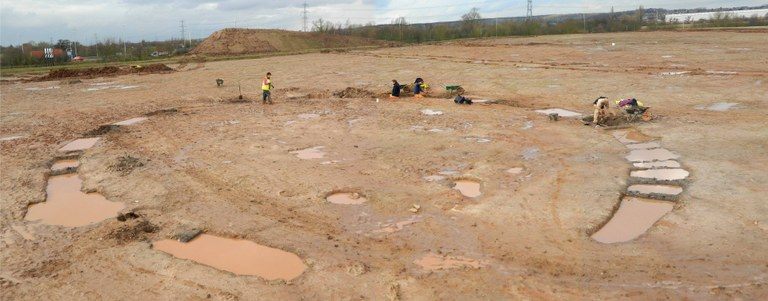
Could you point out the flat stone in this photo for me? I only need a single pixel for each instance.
(559, 112)
(658, 164)
(673, 174)
(651, 190)
(649, 155)
(79, 144)
(647, 145)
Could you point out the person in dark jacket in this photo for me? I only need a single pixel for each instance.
(418, 88)
(460, 99)
(395, 89)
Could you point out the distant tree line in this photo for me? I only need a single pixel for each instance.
(106, 50)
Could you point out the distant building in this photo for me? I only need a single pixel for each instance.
(693, 17)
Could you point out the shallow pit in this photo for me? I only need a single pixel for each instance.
(346, 198)
(559, 112)
(131, 121)
(65, 164)
(79, 144)
(660, 190)
(649, 155)
(66, 205)
(665, 174)
(310, 153)
(434, 262)
(240, 257)
(658, 164)
(468, 188)
(633, 218)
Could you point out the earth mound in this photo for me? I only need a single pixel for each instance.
(104, 71)
(239, 41)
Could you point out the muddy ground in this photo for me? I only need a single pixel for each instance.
(227, 167)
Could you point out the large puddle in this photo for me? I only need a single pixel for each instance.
(241, 257)
(671, 174)
(310, 153)
(79, 144)
(433, 262)
(60, 165)
(131, 121)
(66, 205)
(634, 217)
(470, 189)
(648, 155)
(346, 198)
(559, 112)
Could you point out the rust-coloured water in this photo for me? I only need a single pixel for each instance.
(433, 262)
(66, 205)
(469, 189)
(344, 198)
(79, 144)
(64, 164)
(634, 217)
(241, 257)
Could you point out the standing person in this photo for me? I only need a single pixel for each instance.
(266, 88)
(395, 89)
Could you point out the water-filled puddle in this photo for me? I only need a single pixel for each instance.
(310, 153)
(658, 164)
(434, 262)
(634, 217)
(65, 205)
(632, 136)
(79, 144)
(559, 112)
(241, 257)
(346, 198)
(719, 106)
(470, 189)
(131, 121)
(655, 189)
(648, 155)
(65, 164)
(669, 174)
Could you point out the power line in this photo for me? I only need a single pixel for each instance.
(304, 17)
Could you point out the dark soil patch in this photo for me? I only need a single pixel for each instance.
(126, 164)
(106, 71)
(351, 92)
(168, 111)
(133, 230)
(101, 130)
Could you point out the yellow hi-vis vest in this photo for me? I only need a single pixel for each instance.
(266, 84)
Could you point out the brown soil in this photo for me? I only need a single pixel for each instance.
(351, 92)
(237, 41)
(228, 169)
(107, 71)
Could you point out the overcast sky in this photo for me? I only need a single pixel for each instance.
(86, 20)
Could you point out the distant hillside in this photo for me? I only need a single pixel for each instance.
(237, 41)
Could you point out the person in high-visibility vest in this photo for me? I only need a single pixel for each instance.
(266, 87)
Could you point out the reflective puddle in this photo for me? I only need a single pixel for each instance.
(65, 205)
(648, 155)
(632, 136)
(655, 189)
(434, 262)
(559, 112)
(131, 121)
(661, 174)
(346, 198)
(470, 189)
(79, 144)
(634, 217)
(64, 164)
(310, 153)
(241, 257)
(658, 164)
